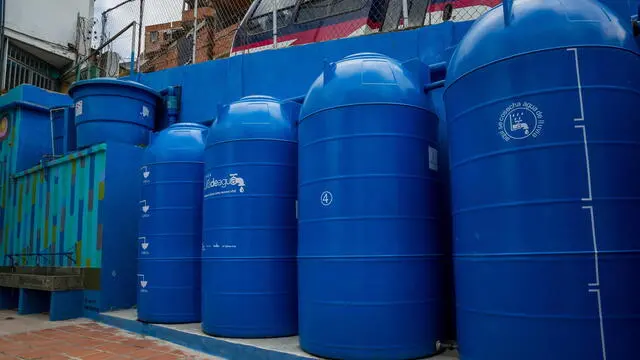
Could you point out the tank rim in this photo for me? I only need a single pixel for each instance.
(112, 82)
(251, 98)
(191, 125)
(306, 116)
(365, 55)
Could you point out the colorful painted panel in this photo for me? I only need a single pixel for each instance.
(54, 215)
(7, 164)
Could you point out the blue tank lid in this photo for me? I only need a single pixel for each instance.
(255, 117)
(98, 82)
(537, 25)
(178, 142)
(364, 78)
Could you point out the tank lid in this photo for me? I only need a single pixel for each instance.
(178, 142)
(364, 78)
(111, 82)
(253, 98)
(535, 25)
(255, 117)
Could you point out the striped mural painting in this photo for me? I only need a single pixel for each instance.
(53, 216)
(7, 164)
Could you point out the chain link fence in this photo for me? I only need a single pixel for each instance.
(117, 54)
(180, 32)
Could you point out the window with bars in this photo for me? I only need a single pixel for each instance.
(25, 68)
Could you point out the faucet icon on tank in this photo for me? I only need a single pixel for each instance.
(516, 122)
(235, 180)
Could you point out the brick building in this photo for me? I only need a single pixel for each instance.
(171, 44)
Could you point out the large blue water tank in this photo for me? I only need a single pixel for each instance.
(170, 238)
(544, 146)
(113, 110)
(249, 286)
(369, 258)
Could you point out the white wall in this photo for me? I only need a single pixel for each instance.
(47, 24)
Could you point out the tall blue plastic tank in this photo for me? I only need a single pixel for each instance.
(249, 286)
(369, 258)
(113, 110)
(170, 239)
(544, 146)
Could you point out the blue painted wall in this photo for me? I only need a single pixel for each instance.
(289, 72)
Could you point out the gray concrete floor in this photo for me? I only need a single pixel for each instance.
(287, 345)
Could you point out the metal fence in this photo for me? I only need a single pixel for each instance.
(179, 32)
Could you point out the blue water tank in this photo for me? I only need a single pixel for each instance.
(170, 238)
(249, 282)
(113, 110)
(369, 257)
(25, 127)
(544, 138)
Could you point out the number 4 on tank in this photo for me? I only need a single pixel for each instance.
(326, 198)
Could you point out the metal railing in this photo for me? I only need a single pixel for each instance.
(20, 259)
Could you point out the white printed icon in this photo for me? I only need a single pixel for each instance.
(145, 207)
(326, 198)
(235, 180)
(145, 111)
(145, 172)
(144, 244)
(517, 123)
(143, 282)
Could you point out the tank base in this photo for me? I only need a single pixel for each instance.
(365, 356)
(167, 322)
(192, 336)
(243, 336)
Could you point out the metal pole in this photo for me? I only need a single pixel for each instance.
(275, 24)
(103, 33)
(3, 43)
(140, 26)
(97, 51)
(195, 31)
(405, 14)
(53, 140)
(133, 49)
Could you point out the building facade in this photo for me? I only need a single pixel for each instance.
(171, 44)
(40, 40)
